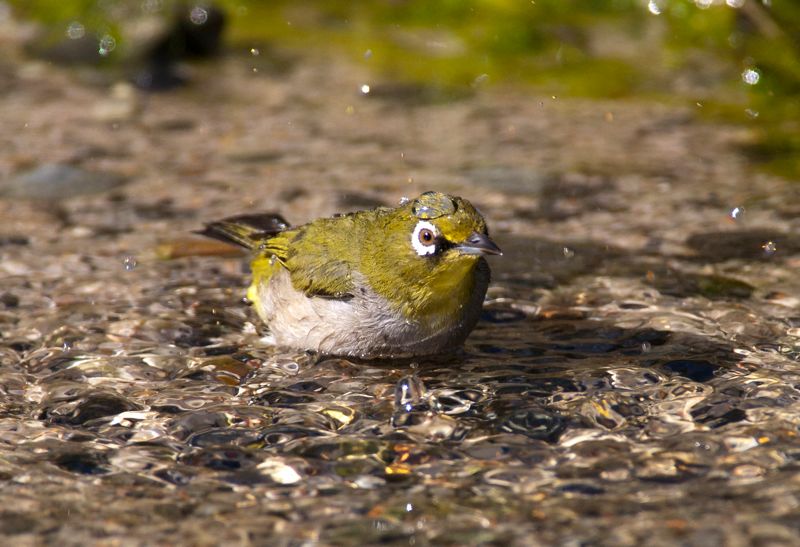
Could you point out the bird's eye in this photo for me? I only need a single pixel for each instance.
(424, 238)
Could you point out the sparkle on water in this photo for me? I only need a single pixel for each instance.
(751, 76)
(107, 45)
(198, 15)
(75, 31)
(129, 263)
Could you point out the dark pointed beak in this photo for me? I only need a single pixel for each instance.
(479, 244)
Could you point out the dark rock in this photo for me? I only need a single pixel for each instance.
(224, 437)
(221, 459)
(534, 423)
(698, 371)
(93, 406)
(84, 463)
(9, 300)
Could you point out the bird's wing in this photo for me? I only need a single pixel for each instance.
(321, 257)
(318, 256)
(249, 231)
(329, 280)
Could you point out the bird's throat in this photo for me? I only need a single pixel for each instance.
(441, 299)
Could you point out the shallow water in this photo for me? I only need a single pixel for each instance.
(634, 378)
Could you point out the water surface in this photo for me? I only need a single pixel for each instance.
(634, 377)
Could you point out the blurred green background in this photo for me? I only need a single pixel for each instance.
(736, 61)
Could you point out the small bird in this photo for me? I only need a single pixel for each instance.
(382, 283)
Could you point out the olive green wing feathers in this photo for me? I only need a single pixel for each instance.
(322, 257)
(318, 257)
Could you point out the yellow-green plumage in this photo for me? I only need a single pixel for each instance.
(369, 284)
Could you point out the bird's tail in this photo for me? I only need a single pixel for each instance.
(245, 230)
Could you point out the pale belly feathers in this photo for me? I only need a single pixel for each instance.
(364, 325)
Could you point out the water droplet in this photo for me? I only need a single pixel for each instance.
(736, 4)
(365, 89)
(737, 213)
(769, 248)
(66, 346)
(751, 113)
(254, 52)
(653, 7)
(646, 347)
(292, 367)
(198, 15)
(75, 31)
(750, 76)
(152, 6)
(404, 200)
(409, 507)
(568, 253)
(129, 263)
(408, 393)
(107, 45)
(480, 80)
(368, 54)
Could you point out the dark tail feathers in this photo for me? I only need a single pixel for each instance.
(245, 230)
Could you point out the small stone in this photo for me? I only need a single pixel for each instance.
(122, 104)
(56, 182)
(9, 300)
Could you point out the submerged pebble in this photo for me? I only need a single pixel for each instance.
(56, 182)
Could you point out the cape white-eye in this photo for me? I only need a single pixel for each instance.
(387, 282)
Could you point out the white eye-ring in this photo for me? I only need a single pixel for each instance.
(424, 238)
